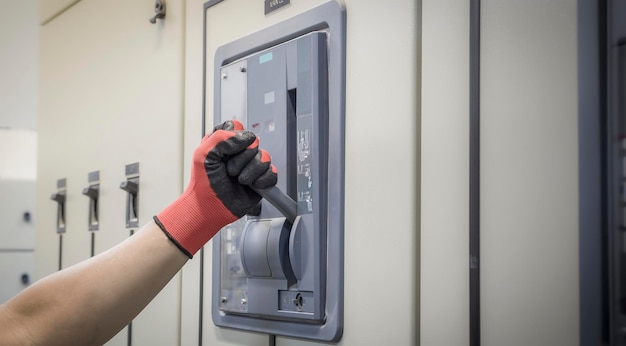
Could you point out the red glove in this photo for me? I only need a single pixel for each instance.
(224, 165)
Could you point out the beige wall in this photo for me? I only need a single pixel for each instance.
(19, 38)
(529, 197)
(444, 249)
(529, 173)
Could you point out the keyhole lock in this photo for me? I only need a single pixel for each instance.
(25, 279)
(298, 301)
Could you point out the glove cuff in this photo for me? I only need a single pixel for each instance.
(171, 238)
(189, 224)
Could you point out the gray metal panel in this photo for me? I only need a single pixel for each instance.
(329, 17)
(234, 84)
(267, 114)
(592, 331)
(293, 131)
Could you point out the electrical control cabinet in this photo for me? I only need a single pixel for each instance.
(276, 272)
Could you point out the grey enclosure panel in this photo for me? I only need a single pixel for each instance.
(286, 83)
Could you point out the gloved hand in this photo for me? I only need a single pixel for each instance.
(225, 164)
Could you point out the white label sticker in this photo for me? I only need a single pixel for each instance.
(269, 97)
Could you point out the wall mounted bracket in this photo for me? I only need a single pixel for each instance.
(60, 197)
(93, 192)
(131, 186)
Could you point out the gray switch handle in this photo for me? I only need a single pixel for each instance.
(130, 187)
(91, 192)
(58, 197)
(281, 201)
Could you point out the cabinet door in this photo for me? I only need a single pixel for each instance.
(17, 202)
(17, 234)
(110, 95)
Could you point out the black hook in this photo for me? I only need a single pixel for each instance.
(159, 9)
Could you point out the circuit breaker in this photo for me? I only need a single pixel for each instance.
(282, 272)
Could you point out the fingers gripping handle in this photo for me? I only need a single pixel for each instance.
(281, 201)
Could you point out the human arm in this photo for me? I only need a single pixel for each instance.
(90, 302)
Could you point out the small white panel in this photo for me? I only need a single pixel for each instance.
(269, 97)
(17, 197)
(18, 150)
(234, 89)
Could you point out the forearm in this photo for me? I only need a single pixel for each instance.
(90, 302)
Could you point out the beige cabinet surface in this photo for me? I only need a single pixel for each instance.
(529, 260)
(48, 9)
(111, 86)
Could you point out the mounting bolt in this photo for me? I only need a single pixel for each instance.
(244, 301)
(223, 300)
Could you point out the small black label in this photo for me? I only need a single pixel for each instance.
(271, 5)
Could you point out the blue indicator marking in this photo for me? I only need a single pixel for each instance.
(266, 57)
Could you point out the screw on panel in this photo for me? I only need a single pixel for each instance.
(243, 69)
(224, 75)
(223, 300)
(243, 301)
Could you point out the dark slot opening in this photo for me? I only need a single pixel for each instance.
(94, 212)
(133, 207)
(93, 244)
(61, 215)
(292, 145)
